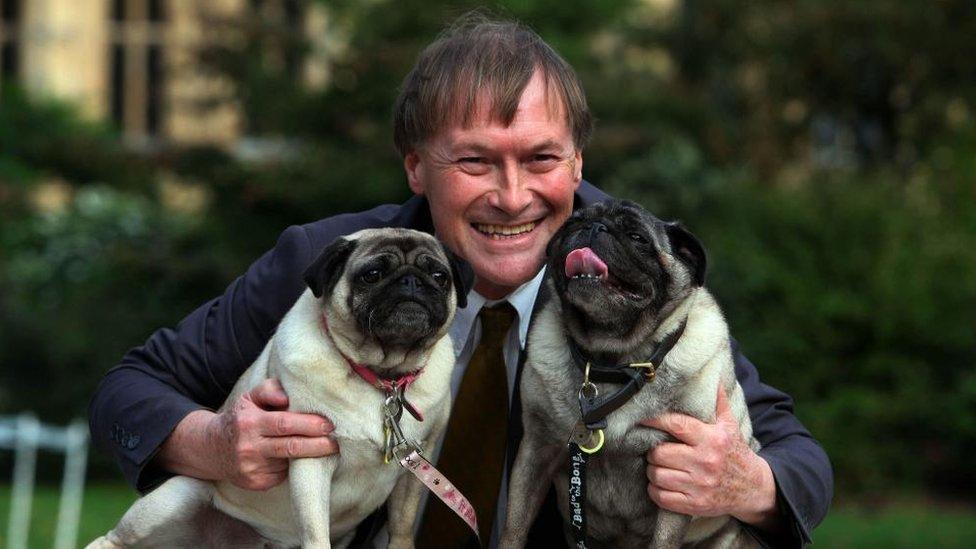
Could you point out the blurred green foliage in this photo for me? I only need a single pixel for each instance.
(823, 150)
(855, 293)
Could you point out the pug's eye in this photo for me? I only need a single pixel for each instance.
(440, 278)
(372, 276)
(637, 237)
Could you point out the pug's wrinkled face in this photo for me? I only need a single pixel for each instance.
(396, 287)
(619, 271)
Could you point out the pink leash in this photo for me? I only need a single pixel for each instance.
(415, 462)
(437, 483)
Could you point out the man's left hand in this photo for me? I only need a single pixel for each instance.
(710, 470)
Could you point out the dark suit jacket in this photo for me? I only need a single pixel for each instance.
(140, 401)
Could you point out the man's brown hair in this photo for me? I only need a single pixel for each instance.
(477, 57)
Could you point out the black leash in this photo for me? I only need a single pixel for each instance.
(587, 436)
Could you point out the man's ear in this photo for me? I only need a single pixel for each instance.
(412, 165)
(324, 273)
(688, 249)
(463, 277)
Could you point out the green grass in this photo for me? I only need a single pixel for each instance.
(899, 525)
(102, 507)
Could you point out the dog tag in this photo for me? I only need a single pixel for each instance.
(387, 444)
(580, 435)
(587, 440)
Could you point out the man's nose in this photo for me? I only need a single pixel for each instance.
(512, 194)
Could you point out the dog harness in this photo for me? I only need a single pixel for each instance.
(587, 436)
(408, 452)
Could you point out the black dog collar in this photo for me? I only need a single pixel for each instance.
(633, 375)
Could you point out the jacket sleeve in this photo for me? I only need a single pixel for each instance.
(195, 365)
(804, 478)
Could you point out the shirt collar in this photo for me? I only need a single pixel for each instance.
(522, 299)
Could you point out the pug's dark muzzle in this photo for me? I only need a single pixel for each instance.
(405, 311)
(595, 266)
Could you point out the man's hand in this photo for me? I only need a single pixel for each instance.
(710, 470)
(249, 443)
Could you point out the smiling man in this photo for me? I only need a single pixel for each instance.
(500, 186)
(491, 124)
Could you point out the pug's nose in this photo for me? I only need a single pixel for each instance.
(411, 284)
(597, 228)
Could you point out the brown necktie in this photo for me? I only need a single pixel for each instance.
(473, 454)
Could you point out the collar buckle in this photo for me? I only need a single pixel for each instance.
(650, 370)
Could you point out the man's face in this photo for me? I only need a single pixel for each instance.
(498, 193)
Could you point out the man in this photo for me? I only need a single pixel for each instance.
(491, 124)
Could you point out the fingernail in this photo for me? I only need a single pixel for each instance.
(327, 427)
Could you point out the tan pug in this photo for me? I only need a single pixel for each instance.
(383, 298)
(621, 286)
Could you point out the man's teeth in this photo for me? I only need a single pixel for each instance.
(504, 230)
(586, 275)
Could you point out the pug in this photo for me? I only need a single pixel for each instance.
(623, 295)
(379, 299)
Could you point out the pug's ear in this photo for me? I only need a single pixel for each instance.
(324, 273)
(463, 276)
(688, 249)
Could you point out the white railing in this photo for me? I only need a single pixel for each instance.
(24, 434)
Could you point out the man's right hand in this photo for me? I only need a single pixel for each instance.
(249, 443)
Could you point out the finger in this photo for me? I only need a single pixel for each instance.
(684, 428)
(672, 455)
(677, 502)
(300, 447)
(282, 424)
(669, 479)
(269, 395)
(722, 408)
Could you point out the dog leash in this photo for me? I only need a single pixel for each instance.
(587, 436)
(408, 453)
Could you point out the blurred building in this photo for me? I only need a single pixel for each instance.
(135, 62)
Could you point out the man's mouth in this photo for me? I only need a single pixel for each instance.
(498, 232)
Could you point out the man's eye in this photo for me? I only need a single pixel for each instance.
(475, 165)
(372, 276)
(542, 162)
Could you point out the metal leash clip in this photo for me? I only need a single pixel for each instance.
(394, 441)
